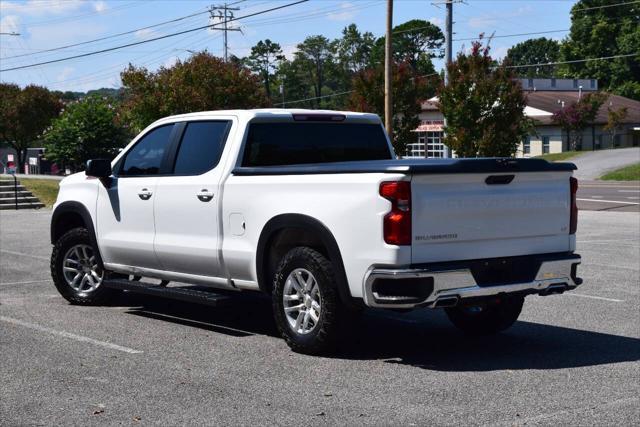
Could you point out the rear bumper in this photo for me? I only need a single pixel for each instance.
(444, 285)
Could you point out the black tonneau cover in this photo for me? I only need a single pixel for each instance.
(413, 166)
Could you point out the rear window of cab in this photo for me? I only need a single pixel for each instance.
(293, 143)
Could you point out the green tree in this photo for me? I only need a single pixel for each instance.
(483, 105)
(264, 58)
(203, 82)
(629, 90)
(607, 31)
(576, 116)
(24, 115)
(368, 96)
(316, 55)
(292, 78)
(614, 120)
(354, 49)
(86, 129)
(534, 51)
(416, 42)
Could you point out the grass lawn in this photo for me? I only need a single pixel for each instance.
(628, 173)
(559, 157)
(44, 189)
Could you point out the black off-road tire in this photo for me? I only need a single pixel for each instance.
(100, 295)
(486, 319)
(323, 338)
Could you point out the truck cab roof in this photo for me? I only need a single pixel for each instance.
(275, 114)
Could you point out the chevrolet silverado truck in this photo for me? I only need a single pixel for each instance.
(314, 209)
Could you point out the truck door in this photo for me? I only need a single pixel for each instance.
(125, 225)
(187, 201)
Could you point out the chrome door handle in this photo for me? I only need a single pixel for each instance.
(205, 195)
(145, 194)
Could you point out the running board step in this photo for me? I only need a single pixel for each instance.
(193, 294)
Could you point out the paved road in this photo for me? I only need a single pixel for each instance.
(571, 359)
(592, 165)
(609, 196)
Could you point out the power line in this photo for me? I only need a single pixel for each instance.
(109, 71)
(177, 26)
(512, 35)
(434, 74)
(605, 6)
(574, 61)
(147, 41)
(108, 37)
(85, 15)
(297, 101)
(299, 16)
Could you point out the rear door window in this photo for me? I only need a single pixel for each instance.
(200, 147)
(145, 158)
(287, 143)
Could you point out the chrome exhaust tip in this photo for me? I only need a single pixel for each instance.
(558, 288)
(446, 302)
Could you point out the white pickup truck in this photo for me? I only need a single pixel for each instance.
(313, 208)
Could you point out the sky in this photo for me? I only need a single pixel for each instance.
(47, 24)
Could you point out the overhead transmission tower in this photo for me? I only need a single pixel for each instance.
(225, 14)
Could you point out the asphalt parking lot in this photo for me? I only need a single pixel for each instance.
(609, 196)
(571, 359)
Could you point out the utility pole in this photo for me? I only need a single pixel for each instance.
(448, 39)
(225, 14)
(448, 51)
(388, 98)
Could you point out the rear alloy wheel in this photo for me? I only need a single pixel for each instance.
(76, 271)
(301, 300)
(305, 301)
(486, 319)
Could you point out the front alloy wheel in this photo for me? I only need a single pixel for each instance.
(81, 269)
(75, 269)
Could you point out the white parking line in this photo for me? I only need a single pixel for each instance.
(628, 191)
(65, 334)
(624, 267)
(609, 201)
(23, 254)
(25, 283)
(594, 297)
(607, 241)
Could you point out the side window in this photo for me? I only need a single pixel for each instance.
(201, 147)
(545, 144)
(146, 156)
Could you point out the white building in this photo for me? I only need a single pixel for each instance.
(544, 97)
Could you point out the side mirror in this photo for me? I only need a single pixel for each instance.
(98, 168)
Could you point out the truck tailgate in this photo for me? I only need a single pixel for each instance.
(472, 216)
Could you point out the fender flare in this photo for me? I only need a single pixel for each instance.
(80, 209)
(280, 222)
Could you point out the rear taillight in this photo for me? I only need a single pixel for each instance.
(397, 223)
(573, 222)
